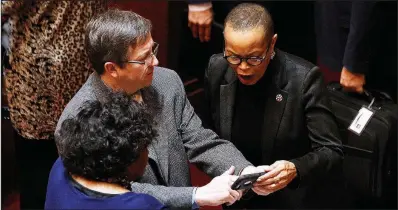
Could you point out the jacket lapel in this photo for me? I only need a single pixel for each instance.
(227, 102)
(274, 108)
(159, 151)
(161, 167)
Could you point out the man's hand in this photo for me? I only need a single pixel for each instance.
(200, 24)
(218, 191)
(278, 176)
(352, 81)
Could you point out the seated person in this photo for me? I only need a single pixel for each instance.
(273, 107)
(105, 149)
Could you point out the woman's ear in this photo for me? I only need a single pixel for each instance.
(274, 38)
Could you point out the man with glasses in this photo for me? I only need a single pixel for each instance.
(123, 54)
(273, 106)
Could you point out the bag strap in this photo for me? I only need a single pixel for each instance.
(369, 95)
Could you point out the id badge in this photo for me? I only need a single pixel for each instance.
(361, 120)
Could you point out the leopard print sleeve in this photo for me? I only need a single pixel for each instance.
(48, 61)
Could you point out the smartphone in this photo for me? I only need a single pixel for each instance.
(246, 181)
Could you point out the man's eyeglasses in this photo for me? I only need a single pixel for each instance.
(149, 59)
(252, 61)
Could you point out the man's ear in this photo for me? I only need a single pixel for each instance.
(110, 69)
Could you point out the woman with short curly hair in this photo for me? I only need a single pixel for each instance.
(105, 149)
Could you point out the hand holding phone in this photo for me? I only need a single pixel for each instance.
(246, 181)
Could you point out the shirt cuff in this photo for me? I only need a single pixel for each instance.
(194, 204)
(199, 7)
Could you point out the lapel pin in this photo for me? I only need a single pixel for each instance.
(279, 98)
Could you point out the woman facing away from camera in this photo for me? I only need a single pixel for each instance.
(106, 150)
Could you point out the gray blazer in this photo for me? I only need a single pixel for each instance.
(181, 139)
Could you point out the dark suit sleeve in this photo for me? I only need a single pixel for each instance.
(361, 36)
(203, 146)
(323, 132)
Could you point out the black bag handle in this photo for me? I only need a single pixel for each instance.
(369, 95)
(366, 94)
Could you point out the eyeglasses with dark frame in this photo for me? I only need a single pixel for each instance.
(149, 59)
(252, 61)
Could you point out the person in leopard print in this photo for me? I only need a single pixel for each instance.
(48, 64)
(48, 61)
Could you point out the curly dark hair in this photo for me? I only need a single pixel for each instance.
(105, 138)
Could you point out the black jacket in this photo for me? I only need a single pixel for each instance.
(300, 128)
